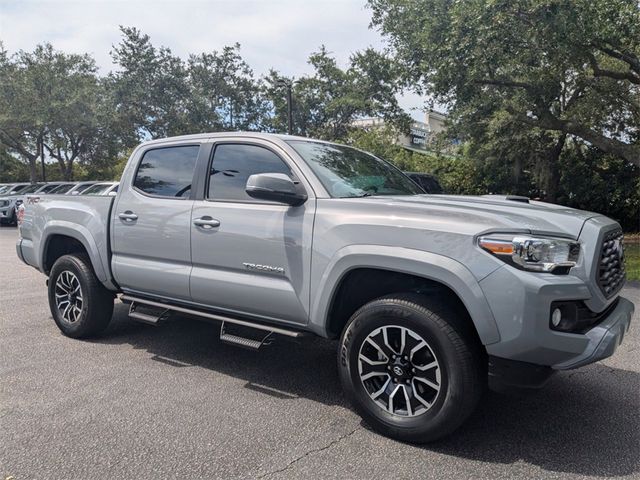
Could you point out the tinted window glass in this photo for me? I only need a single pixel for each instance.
(17, 189)
(233, 164)
(167, 172)
(30, 189)
(62, 189)
(80, 187)
(48, 188)
(97, 189)
(347, 172)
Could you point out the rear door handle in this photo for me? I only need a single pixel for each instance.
(206, 222)
(128, 216)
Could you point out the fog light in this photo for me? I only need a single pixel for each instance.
(556, 317)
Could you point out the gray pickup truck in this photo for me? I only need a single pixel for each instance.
(432, 297)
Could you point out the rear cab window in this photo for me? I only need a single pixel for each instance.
(167, 171)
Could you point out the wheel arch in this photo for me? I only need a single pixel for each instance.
(60, 239)
(381, 270)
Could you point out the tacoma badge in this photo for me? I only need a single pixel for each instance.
(263, 268)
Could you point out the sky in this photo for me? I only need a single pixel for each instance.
(276, 33)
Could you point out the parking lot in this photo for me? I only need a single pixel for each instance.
(172, 401)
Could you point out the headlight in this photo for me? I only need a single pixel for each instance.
(537, 254)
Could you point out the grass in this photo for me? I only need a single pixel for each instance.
(632, 254)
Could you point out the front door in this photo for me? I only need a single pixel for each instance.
(151, 223)
(250, 257)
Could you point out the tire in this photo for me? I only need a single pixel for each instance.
(409, 397)
(89, 305)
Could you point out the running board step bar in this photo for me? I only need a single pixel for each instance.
(243, 339)
(149, 315)
(167, 308)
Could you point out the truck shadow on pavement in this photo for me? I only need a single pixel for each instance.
(584, 422)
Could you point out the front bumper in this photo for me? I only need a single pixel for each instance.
(604, 338)
(7, 214)
(521, 305)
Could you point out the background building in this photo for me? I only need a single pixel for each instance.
(421, 134)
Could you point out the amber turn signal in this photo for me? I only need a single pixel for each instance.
(497, 247)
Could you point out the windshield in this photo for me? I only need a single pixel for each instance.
(346, 172)
(81, 187)
(49, 188)
(17, 189)
(31, 189)
(62, 188)
(97, 189)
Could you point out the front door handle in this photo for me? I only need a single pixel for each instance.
(128, 216)
(206, 222)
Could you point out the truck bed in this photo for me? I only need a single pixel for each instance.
(83, 218)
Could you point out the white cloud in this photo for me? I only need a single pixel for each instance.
(279, 34)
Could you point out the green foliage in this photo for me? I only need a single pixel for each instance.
(224, 93)
(150, 89)
(561, 67)
(11, 169)
(49, 104)
(601, 183)
(327, 102)
(632, 254)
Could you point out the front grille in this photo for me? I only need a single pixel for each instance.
(611, 271)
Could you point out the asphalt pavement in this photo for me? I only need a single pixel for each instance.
(173, 402)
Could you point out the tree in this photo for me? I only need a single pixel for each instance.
(326, 103)
(48, 101)
(563, 68)
(71, 95)
(150, 91)
(22, 125)
(224, 95)
(11, 169)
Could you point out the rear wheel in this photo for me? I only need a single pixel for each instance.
(411, 367)
(79, 303)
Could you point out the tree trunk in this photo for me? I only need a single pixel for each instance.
(33, 168)
(552, 174)
(69, 172)
(63, 168)
(41, 153)
(546, 121)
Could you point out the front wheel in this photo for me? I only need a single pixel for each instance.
(79, 303)
(411, 367)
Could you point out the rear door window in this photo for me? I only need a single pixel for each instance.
(167, 172)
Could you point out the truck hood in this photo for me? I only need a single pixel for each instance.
(495, 213)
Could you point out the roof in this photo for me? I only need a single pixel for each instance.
(205, 136)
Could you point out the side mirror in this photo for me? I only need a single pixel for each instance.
(275, 187)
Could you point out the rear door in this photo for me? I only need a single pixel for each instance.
(251, 257)
(151, 222)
